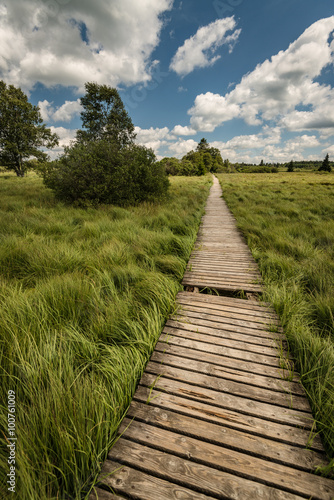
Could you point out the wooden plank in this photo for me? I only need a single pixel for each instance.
(99, 494)
(240, 312)
(228, 373)
(250, 312)
(193, 475)
(224, 325)
(220, 273)
(223, 385)
(231, 278)
(136, 484)
(233, 301)
(258, 359)
(223, 341)
(256, 426)
(214, 285)
(229, 401)
(246, 466)
(244, 442)
(225, 334)
(188, 311)
(187, 351)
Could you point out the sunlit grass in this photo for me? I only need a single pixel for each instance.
(288, 220)
(84, 295)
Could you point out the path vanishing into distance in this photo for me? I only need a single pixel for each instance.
(219, 411)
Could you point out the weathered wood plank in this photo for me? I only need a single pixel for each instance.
(222, 351)
(99, 494)
(225, 334)
(234, 312)
(223, 385)
(221, 340)
(136, 484)
(225, 325)
(203, 478)
(253, 468)
(235, 302)
(229, 373)
(246, 287)
(253, 314)
(256, 426)
(188, 311)
(241, 441)
(230, 401)
(187, 351)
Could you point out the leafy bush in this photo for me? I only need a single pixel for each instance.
(100, 172)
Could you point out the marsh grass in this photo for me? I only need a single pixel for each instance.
(288, 221)
(84, 295)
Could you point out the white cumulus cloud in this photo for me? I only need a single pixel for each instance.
(64, 113)
(69, 42)
(277, 87)
(199, 51)
(153, 138)
(180, 130)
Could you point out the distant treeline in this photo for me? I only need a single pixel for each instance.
(208, 159)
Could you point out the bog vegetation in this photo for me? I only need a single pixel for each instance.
(288, 220)
(84, 294)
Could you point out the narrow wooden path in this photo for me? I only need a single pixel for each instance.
(219, 412)
(221, 259)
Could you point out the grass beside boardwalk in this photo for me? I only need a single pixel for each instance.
(288, 221)
(83, 298)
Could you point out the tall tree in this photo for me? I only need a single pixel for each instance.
(325, 166)
(202, 145)
(22, 132)
(104, 116)
(291, 166)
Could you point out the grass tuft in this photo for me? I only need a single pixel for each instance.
(84, 295)
(288, 221)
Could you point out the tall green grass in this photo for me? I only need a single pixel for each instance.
(83, 298)
(288, 220)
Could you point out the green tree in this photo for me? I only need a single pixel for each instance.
(104, 165)
(100, 172)
(208, 161)
(325, 166)
(22, 132)
(202, 145)
(291, 166)
(104, 116)
(171, 165)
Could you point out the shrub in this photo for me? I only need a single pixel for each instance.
(100, 172)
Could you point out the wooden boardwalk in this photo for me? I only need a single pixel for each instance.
(218, 413)
(221, 259)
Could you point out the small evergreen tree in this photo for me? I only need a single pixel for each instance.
(202, 145)
(325, 166)
(291, 166)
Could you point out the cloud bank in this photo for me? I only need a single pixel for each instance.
(278, 88)
(69, 42)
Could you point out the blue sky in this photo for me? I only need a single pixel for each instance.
(254, 77)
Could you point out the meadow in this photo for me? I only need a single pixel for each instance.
(84, 294)
(288, 222)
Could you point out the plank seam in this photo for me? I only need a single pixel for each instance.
(196, 460)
